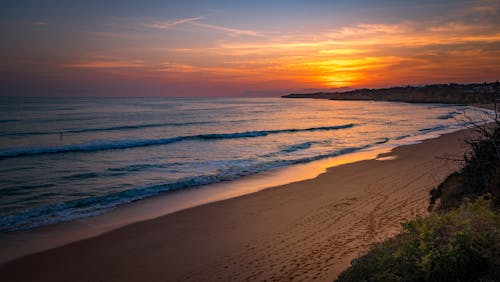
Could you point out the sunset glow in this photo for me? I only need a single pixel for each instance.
(232, 49)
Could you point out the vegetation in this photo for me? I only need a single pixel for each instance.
(436, 93)
(460, 239)
(479, 176)
(460, 245)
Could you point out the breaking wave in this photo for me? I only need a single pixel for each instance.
(125, 144)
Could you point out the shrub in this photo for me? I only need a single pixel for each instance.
(479, 176)
(460, 245)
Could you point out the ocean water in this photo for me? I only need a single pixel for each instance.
(64, 159)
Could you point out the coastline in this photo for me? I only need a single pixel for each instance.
(288, 232)
(26, 242)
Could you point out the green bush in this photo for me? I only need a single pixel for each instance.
(461, 245)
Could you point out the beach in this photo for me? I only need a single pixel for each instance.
(250, 141)
(302, 231)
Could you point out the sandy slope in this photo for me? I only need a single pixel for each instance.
(303, 231)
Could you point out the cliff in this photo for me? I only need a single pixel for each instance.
(435, 93)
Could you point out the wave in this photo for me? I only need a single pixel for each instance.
(89, 175)
(432, 129)
(23, 189)
(401, 137)
(137, 126)
(125, 144)
(425, 131)
(111, 128)
(91, 206)
(140, 167)
(9, 120)
(382, 141)
(448, 115)
(297, 147)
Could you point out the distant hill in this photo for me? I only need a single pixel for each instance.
(436, 93)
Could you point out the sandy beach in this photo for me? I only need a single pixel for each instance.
(249, 141)
(302, 231)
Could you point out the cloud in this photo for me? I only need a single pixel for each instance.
(343, 51)
(174, 67)
(114, 35)
(227, 30)
(38, 23)
(358, 54)
(196, 22)
(452, 27)
(172, 23)
(29, 23)
(105, 64)
(486, 6)
(365, 29)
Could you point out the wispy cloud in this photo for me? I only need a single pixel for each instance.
(227, 30)
(486, 6)
(114, 35)
(196, 21)
(28, 23)
(105, 64)
(452, 27)
(365, 29)
(172, 23)
(175, 67)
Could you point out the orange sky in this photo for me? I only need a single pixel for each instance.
(200, 55)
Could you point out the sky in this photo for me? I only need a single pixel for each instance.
(242, 48)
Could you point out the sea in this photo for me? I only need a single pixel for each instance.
(63, 159)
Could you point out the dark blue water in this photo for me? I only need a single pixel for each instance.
(63, 159)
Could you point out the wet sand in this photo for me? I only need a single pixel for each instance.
(302, 231)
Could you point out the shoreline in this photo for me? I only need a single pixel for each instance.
(21, 243)
(233, 214)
